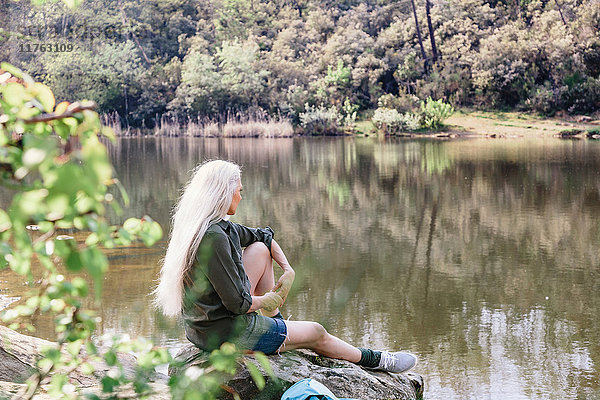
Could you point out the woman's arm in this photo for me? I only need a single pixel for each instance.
(276, 297)
(284, 284)
(251, 235)
(215, 261)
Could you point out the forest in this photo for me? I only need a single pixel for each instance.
(146, 59)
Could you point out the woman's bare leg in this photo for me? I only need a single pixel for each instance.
(259, 268)
(300, 334)
(312, 335)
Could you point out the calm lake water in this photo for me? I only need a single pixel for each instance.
(480, 256)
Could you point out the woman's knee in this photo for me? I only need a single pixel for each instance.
(305, 334)
(319, 333)
(257, 249)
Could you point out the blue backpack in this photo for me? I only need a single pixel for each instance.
(309, 389)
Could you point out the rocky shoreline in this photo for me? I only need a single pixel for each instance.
(19, 353)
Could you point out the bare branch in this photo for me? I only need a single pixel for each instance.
(71, 111)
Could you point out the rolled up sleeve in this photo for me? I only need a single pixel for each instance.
(252, 235)
(222, 272)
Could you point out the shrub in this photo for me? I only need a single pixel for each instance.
(434, 112)
(321, 120)
(431, 115)
(542, 100)
(350, 110)
(390, 121)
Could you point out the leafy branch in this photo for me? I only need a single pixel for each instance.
(63, 181)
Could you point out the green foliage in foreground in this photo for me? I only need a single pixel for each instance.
(62, 184)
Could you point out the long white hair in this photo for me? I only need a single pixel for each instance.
(205, 200)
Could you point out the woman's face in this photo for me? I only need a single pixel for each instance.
(237, 196)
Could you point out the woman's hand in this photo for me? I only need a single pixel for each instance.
(270, 301)
(284, 284)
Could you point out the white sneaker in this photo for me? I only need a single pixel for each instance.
(396, 362)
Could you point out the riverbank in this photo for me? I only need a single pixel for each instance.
(501, 125)
(513, 124)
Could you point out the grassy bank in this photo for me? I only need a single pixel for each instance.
(230, 126)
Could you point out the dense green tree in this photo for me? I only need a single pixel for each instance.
(110, 74)
(226, 80)
(289, 69)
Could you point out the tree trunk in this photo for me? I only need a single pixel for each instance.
(425, 59)
(431, 32)
(560, 12)
(133, 35)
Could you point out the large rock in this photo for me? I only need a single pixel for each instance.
(19, 354)
(343, 378)
(10, 390)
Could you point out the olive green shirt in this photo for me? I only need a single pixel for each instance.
(217, 289)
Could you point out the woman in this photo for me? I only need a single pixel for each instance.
(218, 288)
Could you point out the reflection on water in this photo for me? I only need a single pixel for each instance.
(480, 256)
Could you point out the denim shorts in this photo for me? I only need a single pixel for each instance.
(263, 334)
